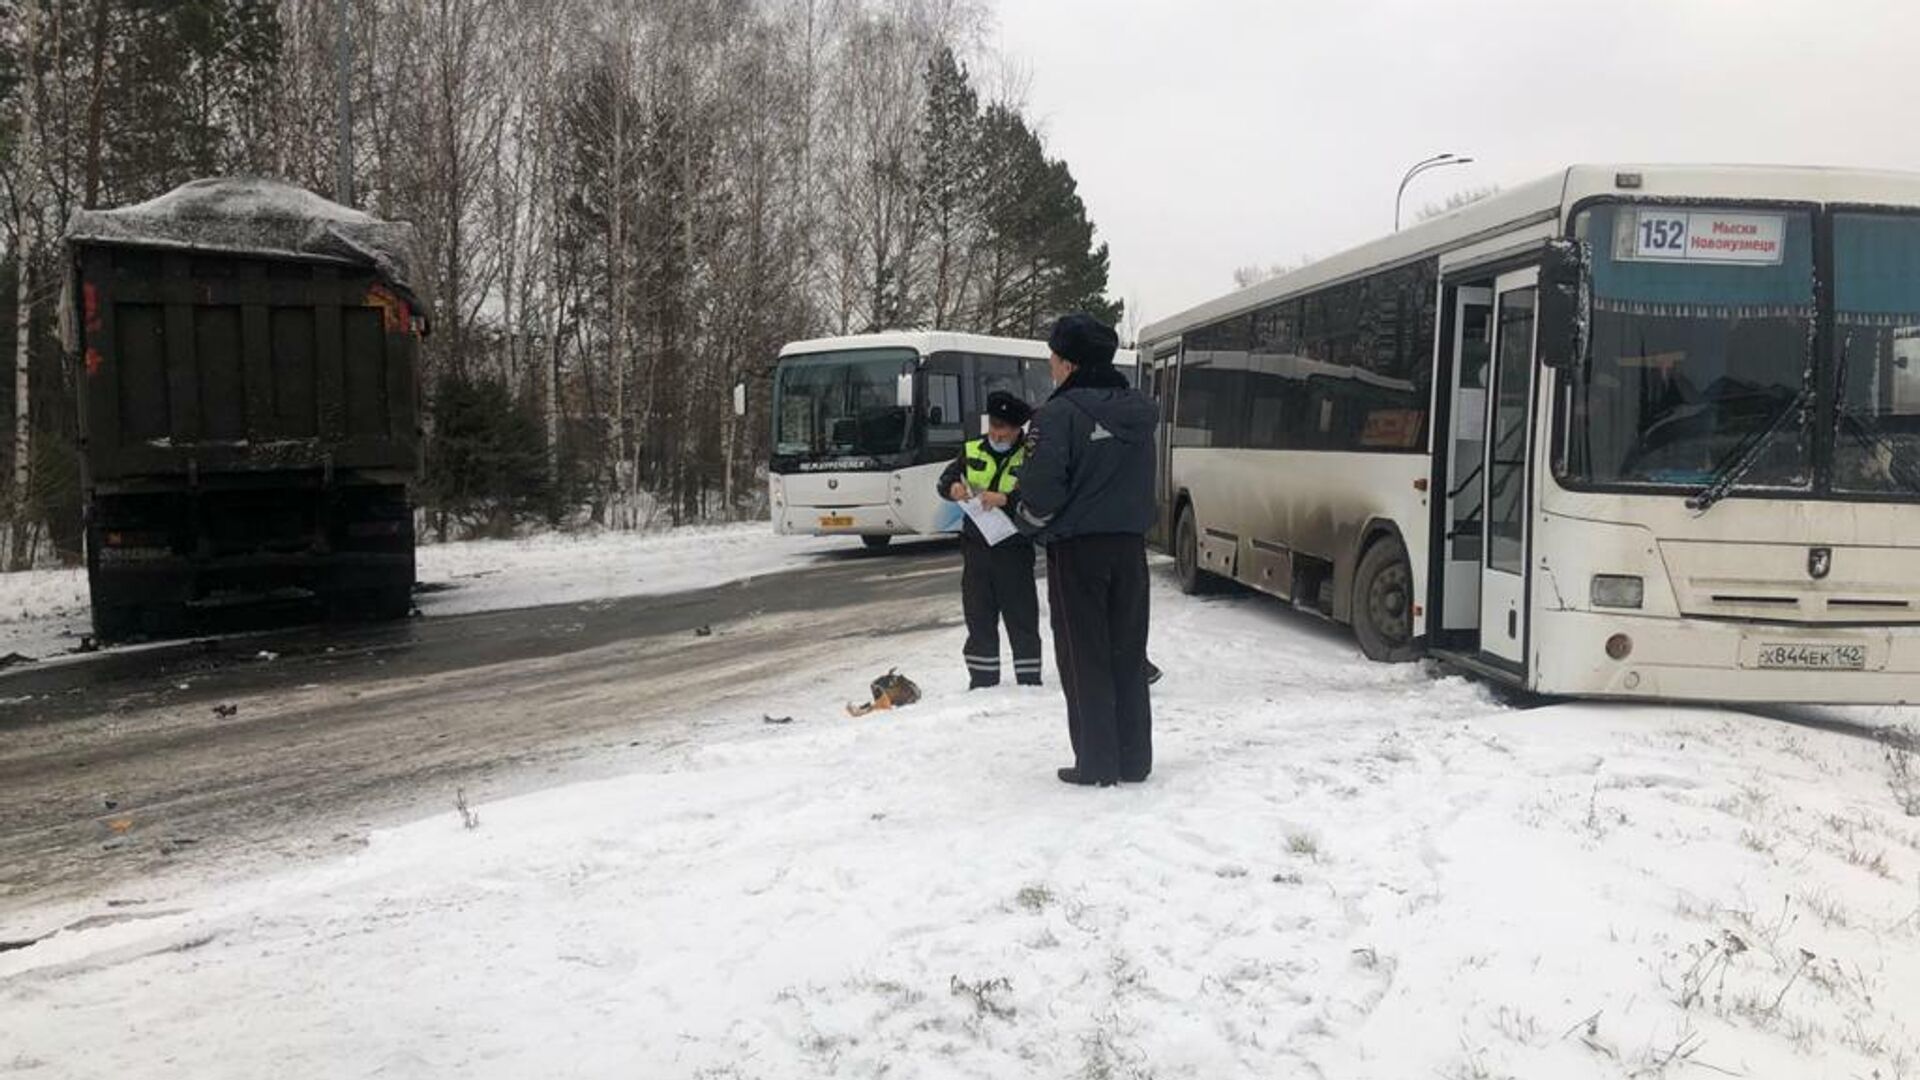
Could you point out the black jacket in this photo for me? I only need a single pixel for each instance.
(956, 471)
(1089, 469)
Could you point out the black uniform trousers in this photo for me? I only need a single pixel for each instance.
(997, 583)
(1097, 587)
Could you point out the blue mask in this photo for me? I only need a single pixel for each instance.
(998, 446)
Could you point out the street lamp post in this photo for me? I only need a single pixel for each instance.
(1438, 161)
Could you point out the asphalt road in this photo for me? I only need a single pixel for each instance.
(211, 755)
(214, 757)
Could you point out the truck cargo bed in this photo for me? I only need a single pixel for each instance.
(205, 363)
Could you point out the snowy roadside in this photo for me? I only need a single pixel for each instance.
(44, 613)
(568, 568)
(1338, 869)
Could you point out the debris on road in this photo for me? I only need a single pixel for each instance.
(225, 711)
(890, 691)
(777, 719)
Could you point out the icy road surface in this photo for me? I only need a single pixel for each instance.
(44, 613)
(208, 753)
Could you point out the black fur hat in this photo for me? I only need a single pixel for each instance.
(1083, 340)
(1008, 409)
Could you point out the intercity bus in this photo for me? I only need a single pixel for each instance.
(1627, 431)
(862, 426)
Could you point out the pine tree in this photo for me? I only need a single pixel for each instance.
(1040, 257)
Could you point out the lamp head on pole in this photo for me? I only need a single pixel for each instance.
(1435, 162)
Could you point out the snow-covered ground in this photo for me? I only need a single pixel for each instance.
(499, 575)
(1337, 869)
(44, 613)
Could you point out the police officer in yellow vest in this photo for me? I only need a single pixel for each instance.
(997, 581)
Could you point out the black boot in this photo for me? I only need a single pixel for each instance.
(1073, 776)
(1153, 673)
(1029, 680)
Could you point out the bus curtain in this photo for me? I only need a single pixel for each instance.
(1877, 260)
(1698, 289)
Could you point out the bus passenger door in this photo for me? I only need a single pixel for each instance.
(1466, 461)
(1503, 579)
(1157, 373)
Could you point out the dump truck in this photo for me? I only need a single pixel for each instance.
(246, 361)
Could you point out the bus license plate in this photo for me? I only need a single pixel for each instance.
(836, 521)
(1813, 657)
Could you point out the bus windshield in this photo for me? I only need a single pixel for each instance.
(1700, 351)
(841, 403)
(1876, 296)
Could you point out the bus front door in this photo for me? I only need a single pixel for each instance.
(1472, 367)
(1503, 589)
(1158, 374)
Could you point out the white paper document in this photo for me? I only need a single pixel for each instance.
(994, 525)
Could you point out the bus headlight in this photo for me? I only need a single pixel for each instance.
(1618, 591)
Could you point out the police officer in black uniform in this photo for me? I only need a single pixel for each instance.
(996, 582)
(1087, 492)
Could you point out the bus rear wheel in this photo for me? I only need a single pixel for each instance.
(1186, 557)
(1383, 604)
(876, 543)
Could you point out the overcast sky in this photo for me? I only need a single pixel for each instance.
(1211, 134)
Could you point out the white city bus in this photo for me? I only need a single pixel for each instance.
(862, 426)
(1623, 432)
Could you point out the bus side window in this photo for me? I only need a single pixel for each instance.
(996, 373)
(946, 425)
(1039, 378)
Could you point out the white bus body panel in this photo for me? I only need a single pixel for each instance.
(1718, 586)
(1257, 509)
(899, 503)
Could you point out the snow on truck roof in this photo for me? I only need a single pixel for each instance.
(1544, 200)
(250, 216)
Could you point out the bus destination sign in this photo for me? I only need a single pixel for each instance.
(1662, 234)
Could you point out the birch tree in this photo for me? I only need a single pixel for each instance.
(25, 187)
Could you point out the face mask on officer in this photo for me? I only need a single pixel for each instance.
(1002, 437)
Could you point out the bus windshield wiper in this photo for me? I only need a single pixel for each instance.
(1867, 432)
(1865, 427)
(1736, 467)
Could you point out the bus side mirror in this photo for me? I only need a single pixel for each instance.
(740, 398)
(1563, 304)
(903, 389)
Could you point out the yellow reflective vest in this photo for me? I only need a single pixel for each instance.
(985, 472)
